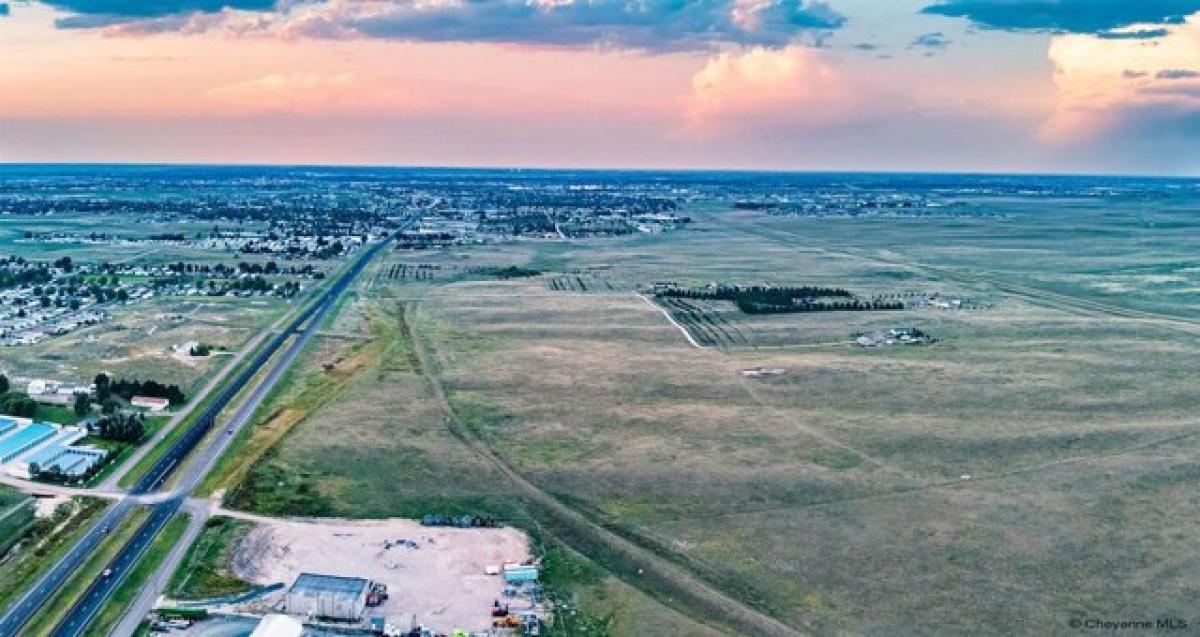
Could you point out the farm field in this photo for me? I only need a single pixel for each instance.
(1035, 462)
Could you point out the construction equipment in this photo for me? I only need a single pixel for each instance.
(508, 621)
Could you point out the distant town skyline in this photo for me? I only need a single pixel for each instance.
(1031, 86)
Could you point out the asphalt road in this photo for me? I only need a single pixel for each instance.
(199, 512)
(93, 599)
(28, 604)
(110, 483)
(81, 614)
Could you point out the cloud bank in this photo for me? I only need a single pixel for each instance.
(100, 13)
(648, 25)
(1066, 16)
(1109, 87)
(651, 25)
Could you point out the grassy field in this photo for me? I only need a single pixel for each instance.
(1030, 467)
(44, 543)
(137, 341)
(204, 572)
(128, 590)
(16, 516)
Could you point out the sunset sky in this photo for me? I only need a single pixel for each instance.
(960, 85)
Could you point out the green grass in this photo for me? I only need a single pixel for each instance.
(302, 389)
(52, 537)
(284, 390)
(566, 578)
(60, 414)
(121, 598)
(16, 516)
(43, 623)
(204, 572)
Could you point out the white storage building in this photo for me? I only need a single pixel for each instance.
(328, 596)
(278, 626)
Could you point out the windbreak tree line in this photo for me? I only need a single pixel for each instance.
(127, 389)
(764, 299)
(765, 294)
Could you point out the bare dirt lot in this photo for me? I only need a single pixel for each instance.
(441, 580)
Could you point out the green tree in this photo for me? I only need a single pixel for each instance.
(83, 404)
(103, 389)
(18, 404)
(109, 406)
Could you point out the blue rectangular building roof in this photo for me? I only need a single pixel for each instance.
(20, 441)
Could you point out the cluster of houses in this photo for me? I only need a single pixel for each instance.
(893, 336)
(843, 202)
(56, 392)
(468, 221)
(239, 241)
(37, 326)
(935, 301)
(26, 320)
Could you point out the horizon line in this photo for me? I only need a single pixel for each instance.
(536, 168)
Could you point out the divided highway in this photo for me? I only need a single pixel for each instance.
(304, 326)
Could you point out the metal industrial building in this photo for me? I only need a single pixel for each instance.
(278, 626)
(328, 596)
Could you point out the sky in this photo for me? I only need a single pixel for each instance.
(1061, 86)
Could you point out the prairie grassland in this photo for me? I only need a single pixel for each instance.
(1031, 466)
(371, 443)
(671, 444)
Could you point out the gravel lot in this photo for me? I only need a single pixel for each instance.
(436, 574)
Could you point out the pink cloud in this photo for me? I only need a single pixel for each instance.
(760, 87)
(312, 93)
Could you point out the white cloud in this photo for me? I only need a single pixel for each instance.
(790, 87)
(1100, 82)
